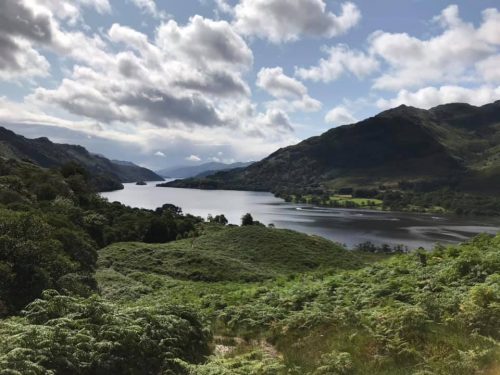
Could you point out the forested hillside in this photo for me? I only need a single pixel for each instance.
(397, 156)
(52, 224)
(104, 174)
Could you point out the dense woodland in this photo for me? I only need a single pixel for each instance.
(93, 287)
(442, 200)
(52, 225)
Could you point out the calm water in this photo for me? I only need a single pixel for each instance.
(345, 226)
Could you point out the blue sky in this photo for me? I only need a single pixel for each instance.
(165, 83)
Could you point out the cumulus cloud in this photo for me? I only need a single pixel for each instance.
(17, 19)
(304, 104)
(160, 154)
(339, 116)
(340, 60)
(20, 28)
(279, 85)
(489, 69)
(30, 26)
(69, 10)
(292, 94)
(448, 57)
(205, 41)
(175, 80)
(489, 29)
(274, 119)
(184, 86)
(149, 7)
(18, 59)
(102, 6)
(224, 6)
(429, 97)
(288, 20)
(194, 158)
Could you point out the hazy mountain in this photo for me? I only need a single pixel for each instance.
(456, 144)
(107, 174)
(201, 170)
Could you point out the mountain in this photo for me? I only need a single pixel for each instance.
(201, 170)
(454, 145)
(105, 174)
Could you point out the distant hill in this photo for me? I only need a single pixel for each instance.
(201, 170)
(455, 145)
(106, 174)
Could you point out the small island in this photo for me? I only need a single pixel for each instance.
(141, 183)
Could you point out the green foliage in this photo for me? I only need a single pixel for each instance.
(34, 258)
(249, 253)
(51, 224)
(395, 316)
(218, 219)
(335, 363)
(66, 335)
(284, 302)
(252, 363)
(445, 199)
(246, 219)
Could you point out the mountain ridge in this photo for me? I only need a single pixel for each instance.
(106, 174)
(456, 142)
(201, 170)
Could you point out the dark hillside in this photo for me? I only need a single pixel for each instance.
(455, 142)
(107, 175)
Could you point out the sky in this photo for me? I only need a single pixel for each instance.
(164, 83)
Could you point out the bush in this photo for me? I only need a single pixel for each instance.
(66, 335)
(247, 219)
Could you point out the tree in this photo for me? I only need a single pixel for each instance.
(246, 219)
(220, 219)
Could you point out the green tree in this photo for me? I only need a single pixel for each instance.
(247, 219)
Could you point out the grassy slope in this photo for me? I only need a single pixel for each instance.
(396, 316)
(249, 253)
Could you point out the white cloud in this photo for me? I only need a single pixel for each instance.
(149, 7)
(292, 94)
(176, 80)
(224, 6)
(279, 85)
(185, 87)
(205, 41)
(340, 60)
(21, 28)
(304, 104)
(130, 37)
(274, 119)
(102, 6)
(160, 154)
(194, 158)
(31, 26)
(445, 58)
(489, 69)
(288, 20)
(246, 144)
(429, 97)
(19, 60)
(69, 10)
(490, 29)
(339, 116)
